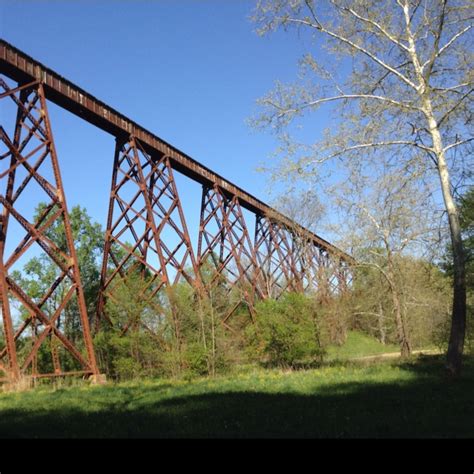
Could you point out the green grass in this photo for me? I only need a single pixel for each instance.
(359, 345)
(386, 400)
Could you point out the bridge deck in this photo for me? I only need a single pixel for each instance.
(22, 68)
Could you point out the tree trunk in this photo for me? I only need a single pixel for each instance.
(405, 346)
(213, 342)
(403, 339)
(458, 319)
(380, 321)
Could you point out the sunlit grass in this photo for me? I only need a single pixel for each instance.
(359, 345)
(390, 399)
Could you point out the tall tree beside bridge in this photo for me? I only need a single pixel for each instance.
(399, 75)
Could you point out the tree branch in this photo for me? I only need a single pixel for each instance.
(339, 97)
(439, 32)
(369, 313)
(454, 107)
(318, 26)
(379, 144)
(452, 88)
(378, 267)
(460, 142)
(379, 27)
(453, 39)
(365, 96)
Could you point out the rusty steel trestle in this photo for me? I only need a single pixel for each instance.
(30, 163)
(147, 248)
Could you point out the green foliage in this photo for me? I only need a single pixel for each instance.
(132, 355)
(427, 299)
(176, 333)
(467, 224)
(179, 332)
(288, 331)
(130, 304)
(132, 345)
(200, 337)
(40, 272)
(424, 293)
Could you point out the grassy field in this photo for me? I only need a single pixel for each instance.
(359, 345)
(351, 400)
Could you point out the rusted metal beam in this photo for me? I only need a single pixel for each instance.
(225, 250)
(10, 348)
(274, 254)
(145, 218)
(30, 149)
(19, 66)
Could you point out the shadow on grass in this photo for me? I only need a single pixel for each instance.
(424, 407)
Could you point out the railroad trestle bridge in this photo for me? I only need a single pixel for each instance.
(146, 225)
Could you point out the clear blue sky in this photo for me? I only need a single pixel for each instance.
(189, 71)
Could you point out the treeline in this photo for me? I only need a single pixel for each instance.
(183, 333)
(188, 338)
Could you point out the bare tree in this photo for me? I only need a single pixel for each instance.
(306, 209)
(387, 215)
(303, 207)
(399, 75)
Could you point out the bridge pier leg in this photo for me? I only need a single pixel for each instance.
(30, 163)
(274, 252)
(226, 255)
(12, 371)
(145, 215)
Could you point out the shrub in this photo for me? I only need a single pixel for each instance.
(287, 332)
(134, 354)
(127, 368)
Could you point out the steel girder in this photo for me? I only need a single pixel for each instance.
(29, 175)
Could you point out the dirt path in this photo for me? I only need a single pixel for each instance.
(393, 355)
